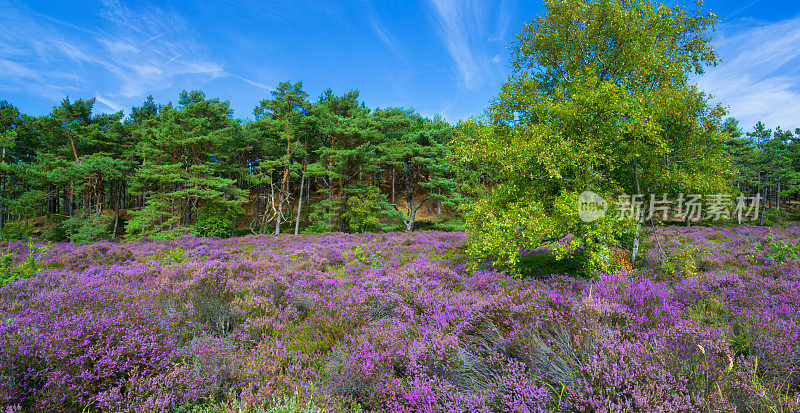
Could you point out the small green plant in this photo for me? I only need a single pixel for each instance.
(711, 311)
(444, 223)
(288, 404)
(373, 260)
(682, 262)
(741, 339)
(28, 268)
(176, 256)
(779, 250)
(293, 404)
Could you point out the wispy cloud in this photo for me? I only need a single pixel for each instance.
(463, 28)
(130, 53)
(292, 11)
(381, 32)
(747, 6)
(759, 78)
(503, 19)
(111, 104)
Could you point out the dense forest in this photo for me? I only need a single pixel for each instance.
(766, 162)
(166, 170)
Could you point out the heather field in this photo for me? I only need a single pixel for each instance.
(708, 321)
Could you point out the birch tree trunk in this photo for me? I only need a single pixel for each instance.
(116, 209)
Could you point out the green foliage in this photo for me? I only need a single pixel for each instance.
(500, 233)
(625, 121)
(28, 268)
(182, 147)
(600, 241)
(176, 255)
(286, 404)
(216, 226)
(215, 219)
(27, 204)
(366, 208)
(55, 231)
(89, 229)
(16, 230)
(159, 167)
(422, 157)
(319, 222)
(774, 217)
(449, 223)
(294, 404)
(176, 233)
(680, 262)
(373, 260)
(779, 250)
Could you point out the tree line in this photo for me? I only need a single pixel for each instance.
(767, 162)
(191, 167)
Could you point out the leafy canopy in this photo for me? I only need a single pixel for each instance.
(599, 100)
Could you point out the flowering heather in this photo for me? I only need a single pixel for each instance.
(708, 321)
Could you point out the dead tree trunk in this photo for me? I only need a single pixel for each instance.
(300, 202)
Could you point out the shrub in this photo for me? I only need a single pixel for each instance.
(448, 223)
(89, 229)
(16, 230)
(214, 226)
(176, 255)
(55, 230)
(366, 208)
(680, 262)
(779, 250)
(28, 268)
(774, 217)
(176, 233)
(72, 361)
(215, 219)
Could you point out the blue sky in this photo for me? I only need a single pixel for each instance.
(436, 56)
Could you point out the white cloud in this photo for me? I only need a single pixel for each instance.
(130, 54)
(759, 78)
(462, 26)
